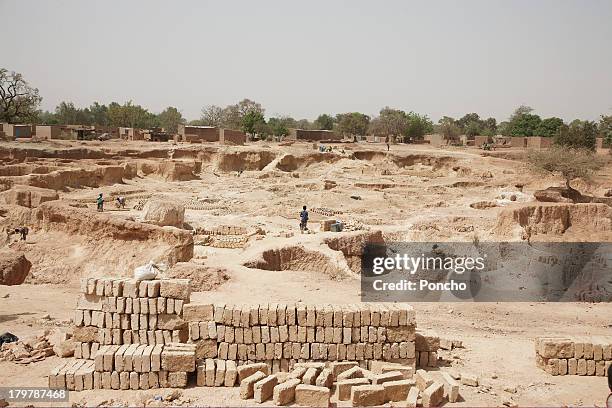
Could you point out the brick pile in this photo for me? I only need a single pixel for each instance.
(574, 356)
(282, 334)
(223, 230)
(427, 346)
(127, 367)
(310, 384)
(128, 334)
(125, 311)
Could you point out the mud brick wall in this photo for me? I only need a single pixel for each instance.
(283, 334)
(574, 356)
(232, 137)
(113, 311)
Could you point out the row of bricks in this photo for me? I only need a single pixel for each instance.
(216, 373)
(302, 334)
(118, 336)
(573, 366)
(133, 357)
(80, 375)
(325, 315)
(587, 348)
(316, 351)
(127, 321)
(145, 358)
(426, 359)
(132, 288)
(285, 364)
(112, 304)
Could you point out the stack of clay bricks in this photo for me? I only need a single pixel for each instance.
(115, 311)
(128, 367)
(223, 230)
(313, 384)
(574, 356)
(283, 334)
(427, 346)
(238, 241)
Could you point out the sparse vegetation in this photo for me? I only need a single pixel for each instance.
(570, 162)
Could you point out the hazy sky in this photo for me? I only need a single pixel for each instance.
(305, 58)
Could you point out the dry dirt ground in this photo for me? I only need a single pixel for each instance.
(411, 193)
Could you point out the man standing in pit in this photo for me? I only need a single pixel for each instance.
(303, 220)
(100, 203)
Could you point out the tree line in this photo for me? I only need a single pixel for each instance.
(19, 103)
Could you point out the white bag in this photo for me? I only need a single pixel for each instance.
(145, 272)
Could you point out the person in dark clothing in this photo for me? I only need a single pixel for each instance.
(303, 220)
(100, 202)
(23, 231)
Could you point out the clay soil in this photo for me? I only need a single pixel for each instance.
(411, 193)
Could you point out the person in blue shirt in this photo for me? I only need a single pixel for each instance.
(303, 220)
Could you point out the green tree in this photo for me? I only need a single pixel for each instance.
(523, 122)
(130, 115)
(99, 114)
(212, 115)
(605, 130)
(570, 162)
(170, 118)
(324, 122)
(392, 122)
(18, 100)
(233, 114)
(67, 114)
(418, 126)
(448, 128)
(579, 134)
(252, 123)
(278, 127)
(304, 124)
(472, 129)
(491, 124)
(467, 119)
(353, 123)
(548, 127)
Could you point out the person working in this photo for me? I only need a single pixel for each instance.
(100, 203)
(303, 220)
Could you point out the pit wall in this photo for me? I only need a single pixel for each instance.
(574, 356)
(283, 334)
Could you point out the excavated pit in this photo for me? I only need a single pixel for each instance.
(296, 258)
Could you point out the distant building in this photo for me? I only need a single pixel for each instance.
(232, 137)
(156, 135)
(17, 131)
(198, 134)
(314, 135)
(128, 133)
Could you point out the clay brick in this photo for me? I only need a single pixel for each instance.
(231, 373)
(451, 387)
(175, 288)
(264, 388)
(325, 378)
(178, 357)
(554, 347)
(310, 376)
(343, 387)
(247, 384)
(388, 376)
(311, 396)
(433, 395)
(340, 367)
(220, 373)
(247, 370)
(397, 390)
(284, 393)
(423, 380)
(413, 395)
(170, 322)
(177, 379)
(367, 395)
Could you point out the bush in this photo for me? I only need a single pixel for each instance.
(571, 163)
(578, 135)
